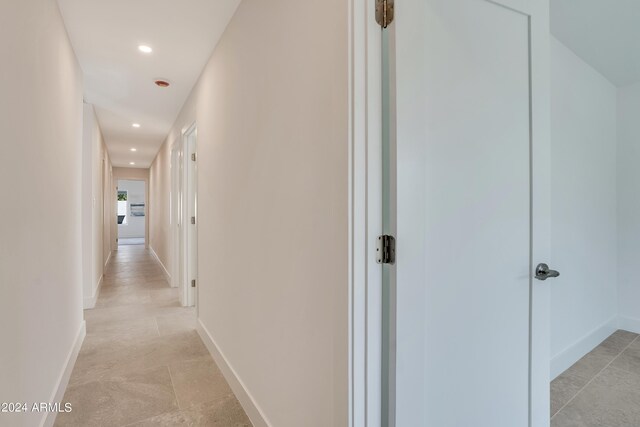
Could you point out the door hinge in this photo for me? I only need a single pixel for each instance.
(386, 249)
(193, 283)
(384, 12)
(193, 156)
(193, 220)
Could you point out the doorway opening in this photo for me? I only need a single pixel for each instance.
(131, 212)
(184, 221)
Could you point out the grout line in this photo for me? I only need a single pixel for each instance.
(147, 419)
(595, 376)
(173, 387)
(155, 318)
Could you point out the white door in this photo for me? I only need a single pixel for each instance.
(460, 188)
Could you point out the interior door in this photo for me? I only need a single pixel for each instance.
(457, 327)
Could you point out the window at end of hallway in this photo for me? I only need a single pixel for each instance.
(122, 207)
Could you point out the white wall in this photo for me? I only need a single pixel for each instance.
(40, 246)
(272, 108)
(135, 226)
(629, 206)
(95, 175)
(583, 208)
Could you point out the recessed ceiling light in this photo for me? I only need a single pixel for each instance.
(136, 125)
(145, 49)
(162, 83)
(134, 149)
(132, 163)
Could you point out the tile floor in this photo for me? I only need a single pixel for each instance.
(602, 389)
(123, 241)
(142, 363)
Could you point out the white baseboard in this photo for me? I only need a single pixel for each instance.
(49, 418)
(563, 360)
(255, 414)
(106, 263)
(164, 269)
(90, 302)
(629, 324)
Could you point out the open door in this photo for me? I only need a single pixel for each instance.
(465, 165)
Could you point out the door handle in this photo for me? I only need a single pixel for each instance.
(543, 272)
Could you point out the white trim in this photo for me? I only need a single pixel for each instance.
(365, 215)
(108, 259)
(175, 212)
(164, 269)
(183, 269)
(49, 418)
(189, 198)
(629, 324)
(255, 414)
(570, 355)
(90, 302)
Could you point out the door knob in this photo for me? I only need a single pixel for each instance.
(543, 272)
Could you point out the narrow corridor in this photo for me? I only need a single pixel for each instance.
(142, 363)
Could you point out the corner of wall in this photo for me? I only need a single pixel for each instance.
(90, 302)
(167, 276)
(630, 324)
(574, 352)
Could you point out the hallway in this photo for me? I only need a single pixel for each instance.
(142, 363)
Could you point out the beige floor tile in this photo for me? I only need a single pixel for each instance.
(117, 326)
(123, 295)
(156, 283)
(629, 360)
(165, 297)
(198, 381)
(111, 282)
(563, 389)
(178, 322)
(225, 412)
(132, 355)
(618, 341)
(120, 401)
(570, 382)
(612, 399)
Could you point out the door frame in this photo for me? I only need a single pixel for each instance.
(175, 201)
(184, 237)
(190, 206)
(146, 208)
(365, 201)
(125, 175)
(365, 216)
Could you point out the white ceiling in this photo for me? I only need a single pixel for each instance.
(119, 79)
(604, 33)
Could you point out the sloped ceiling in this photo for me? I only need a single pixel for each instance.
(604, 33)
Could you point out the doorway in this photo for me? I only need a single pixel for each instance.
(184, 218)
(131, 212)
